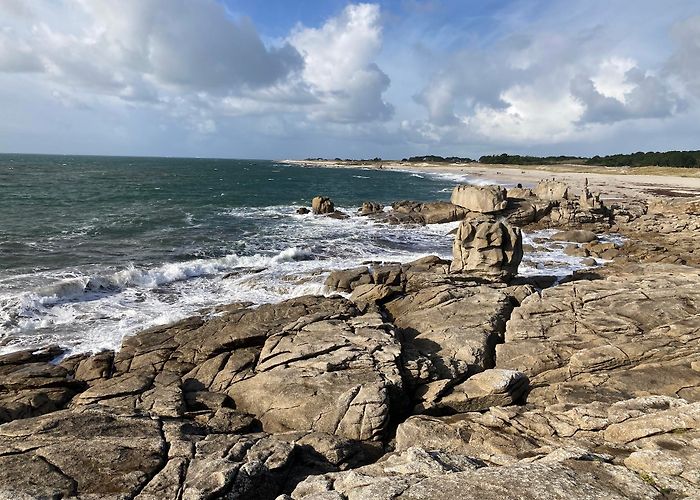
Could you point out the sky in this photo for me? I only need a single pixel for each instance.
(330, 78)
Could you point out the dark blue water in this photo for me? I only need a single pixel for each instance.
(75, 210)
(92, 248)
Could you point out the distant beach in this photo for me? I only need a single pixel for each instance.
(612, 182)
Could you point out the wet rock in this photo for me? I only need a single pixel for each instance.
(575, 235)
(337, 214)
(322, 205)
(576, 251)
(481, 199)
(45, 354)
(347, 279)
(303, 211)
(371, 207)
(436, 212)
(32, 386)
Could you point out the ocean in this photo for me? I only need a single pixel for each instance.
(96, 248)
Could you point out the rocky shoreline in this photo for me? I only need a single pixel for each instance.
(432, 379)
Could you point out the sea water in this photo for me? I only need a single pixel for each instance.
(96, 248)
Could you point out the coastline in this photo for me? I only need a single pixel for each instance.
(435, 378)
(611, 182)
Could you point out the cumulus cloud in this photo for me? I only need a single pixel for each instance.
(640, 96)
(338, 65)
(194, 61)
(543, 87)
(175, 42)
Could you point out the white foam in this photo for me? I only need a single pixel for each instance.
(292, 257)
(457, 178)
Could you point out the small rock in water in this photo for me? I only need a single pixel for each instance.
(371, 207)
(575, 235)
(322, 205)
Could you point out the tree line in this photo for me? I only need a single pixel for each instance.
(687, 159)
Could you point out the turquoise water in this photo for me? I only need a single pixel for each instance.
(94, 248)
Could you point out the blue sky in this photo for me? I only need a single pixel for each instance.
(279, 79)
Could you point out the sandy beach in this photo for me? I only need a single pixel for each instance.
(611, 182)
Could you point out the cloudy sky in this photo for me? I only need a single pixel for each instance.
(283, 78)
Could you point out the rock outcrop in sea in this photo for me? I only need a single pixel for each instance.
(426, 380)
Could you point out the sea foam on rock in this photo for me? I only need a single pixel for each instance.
(322, 205)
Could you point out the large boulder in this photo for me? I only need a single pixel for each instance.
(487, 247)
(322, 205)
(520, 193)
(482, 199)
(551, 190)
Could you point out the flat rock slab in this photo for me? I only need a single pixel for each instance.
(89, 452)
(156, 368)
(611, 339)
(629, 432)
(417, 474)
(330, 376)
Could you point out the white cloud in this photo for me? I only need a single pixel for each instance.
(339, 67)
(189, 59)
(611, 79)
(530, 115)
(16, 55)
(544, 87)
